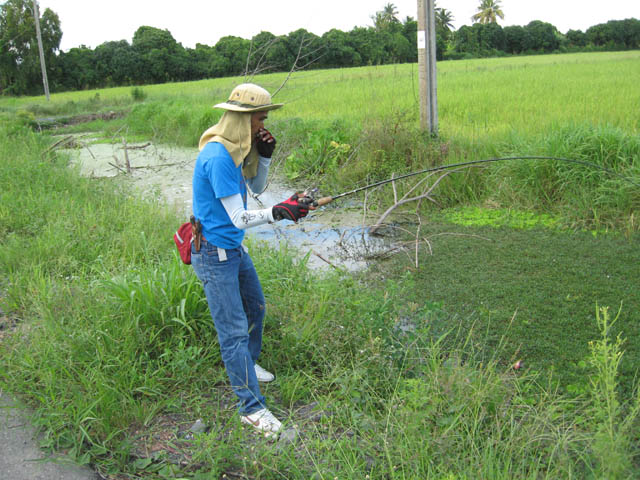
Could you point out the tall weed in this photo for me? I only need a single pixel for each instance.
(586, 195)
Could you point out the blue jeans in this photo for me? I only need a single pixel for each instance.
(237, 306)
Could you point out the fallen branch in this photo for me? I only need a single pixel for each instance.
(327, 261)
(158, 165)
(58, 144)
(126, 155)
(138, 147)
(116, 166)
(379, 223)
(425, 195)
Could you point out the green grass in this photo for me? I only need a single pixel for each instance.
(480, 101)
(531, 287)
(115, 340)
(343, 128)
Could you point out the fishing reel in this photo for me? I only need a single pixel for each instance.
(308, 198)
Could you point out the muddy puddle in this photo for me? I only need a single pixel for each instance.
(335, 236)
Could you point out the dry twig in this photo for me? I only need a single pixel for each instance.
(405, 200)
(295, 67)
(126, 155)
(327, 261)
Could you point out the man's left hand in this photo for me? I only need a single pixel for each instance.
(265, 143)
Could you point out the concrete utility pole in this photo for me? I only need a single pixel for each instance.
(43, 67)
(427, 66)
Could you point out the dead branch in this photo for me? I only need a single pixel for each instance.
(126, 155)
(117, 167)
(259, 68)
(117, 132)
(246, 67)
(327, 261)
(395, 190)
(138, 147)
(404, 200)
(295, 67)
(158, 165)
(59, 144)
(89, 150)
(379, 223)
(364, 208)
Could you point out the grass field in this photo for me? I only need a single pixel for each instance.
(478, 100)
(401, 372)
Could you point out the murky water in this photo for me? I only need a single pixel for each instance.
(336, 235)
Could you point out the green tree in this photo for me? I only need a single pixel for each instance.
(517, 39)
(544, 36)
(615, 34)
(444, 19)
(410, 32)
(339, 50)
(386, 19)
(162, 58)
(200, 60)
(77, 69)
(444, 27)
(117, 63)
(488, 12)
(232, 58)
(367, 43)
(480, 40)
(19, 58)
(576, 38)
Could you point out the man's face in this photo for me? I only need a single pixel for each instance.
(257, 122)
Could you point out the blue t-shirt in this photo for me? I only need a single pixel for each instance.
(216, 176)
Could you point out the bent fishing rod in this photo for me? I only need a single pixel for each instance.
(325, 200)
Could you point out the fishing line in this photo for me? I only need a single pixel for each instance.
(325, 200)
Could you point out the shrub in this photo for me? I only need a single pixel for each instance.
(138, 94)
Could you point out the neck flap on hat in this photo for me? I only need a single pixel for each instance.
(234, 132)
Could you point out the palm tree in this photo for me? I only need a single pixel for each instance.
(390, 13)
(444, 18)
(386, 17)
(488, 11)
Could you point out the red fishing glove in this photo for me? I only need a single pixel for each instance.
(290, 209)
(266, 143)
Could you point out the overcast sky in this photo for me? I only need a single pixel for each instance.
(92, 22)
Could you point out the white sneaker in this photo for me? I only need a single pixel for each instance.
(264, 421)
(263, 375)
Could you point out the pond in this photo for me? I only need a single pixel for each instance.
(336, 235)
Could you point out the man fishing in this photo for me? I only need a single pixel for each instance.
(234, 153)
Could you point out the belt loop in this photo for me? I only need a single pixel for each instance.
(222, 254)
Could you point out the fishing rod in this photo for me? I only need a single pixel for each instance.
(325, 200)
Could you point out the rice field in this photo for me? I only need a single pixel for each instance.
(478, 100)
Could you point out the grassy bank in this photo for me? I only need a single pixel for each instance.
(114, 349)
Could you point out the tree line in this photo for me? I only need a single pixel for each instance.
(155, 56)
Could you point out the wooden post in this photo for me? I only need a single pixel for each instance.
(43, 67)
(427, 66)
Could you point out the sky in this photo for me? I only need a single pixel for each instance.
(93, 22)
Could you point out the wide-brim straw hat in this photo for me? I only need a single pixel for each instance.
(248, 97)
